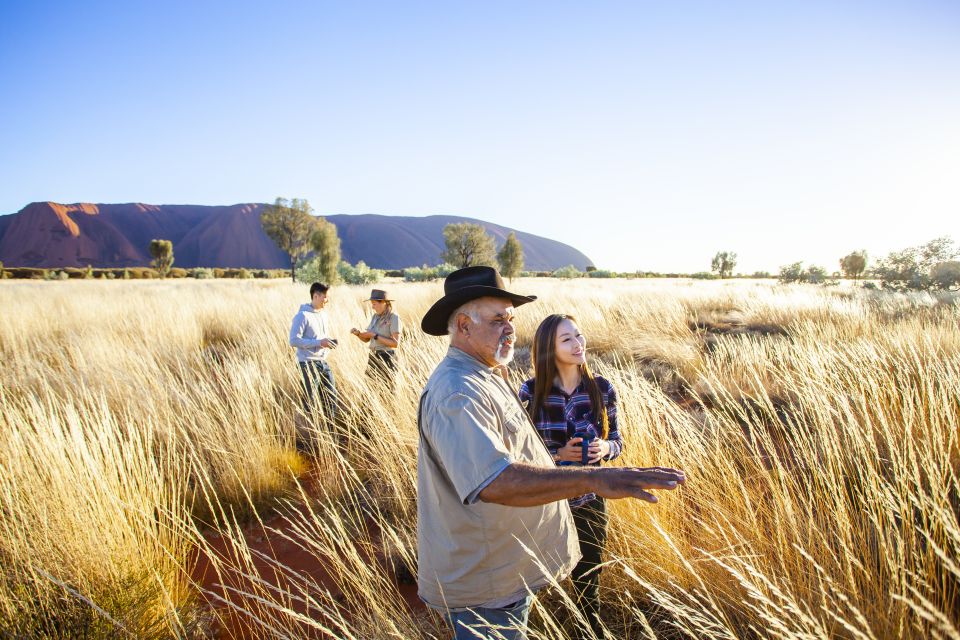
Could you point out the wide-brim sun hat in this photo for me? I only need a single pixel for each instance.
(461, 287)
(379, 295)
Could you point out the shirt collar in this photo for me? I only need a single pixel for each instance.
(555, 388)
(466, 360)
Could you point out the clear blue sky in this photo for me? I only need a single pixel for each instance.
(648, 135)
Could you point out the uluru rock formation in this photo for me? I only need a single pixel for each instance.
(52, 235)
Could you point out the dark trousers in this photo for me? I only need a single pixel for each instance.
(591, 522)
(319, 386)
(382, 365)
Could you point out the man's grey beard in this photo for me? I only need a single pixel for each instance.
(503, 360)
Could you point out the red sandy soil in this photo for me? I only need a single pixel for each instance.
(269, 541)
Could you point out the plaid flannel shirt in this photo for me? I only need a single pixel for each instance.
(564, 415)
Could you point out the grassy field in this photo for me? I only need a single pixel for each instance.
(144, 425)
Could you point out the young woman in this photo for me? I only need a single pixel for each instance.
(383, 334)
(569, 404)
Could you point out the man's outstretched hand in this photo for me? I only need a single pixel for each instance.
(633, 482)
(526, 485)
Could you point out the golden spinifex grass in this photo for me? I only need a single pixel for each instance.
(140, 420)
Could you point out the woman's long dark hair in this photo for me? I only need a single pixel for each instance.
(544, 357)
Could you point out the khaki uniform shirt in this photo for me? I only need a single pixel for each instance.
(471, 553)
(384, 326)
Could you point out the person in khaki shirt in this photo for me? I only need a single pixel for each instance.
(493, 523)
(383, 335)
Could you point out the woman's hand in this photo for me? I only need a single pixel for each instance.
(598, 450)
(355, 332)
(570, 452)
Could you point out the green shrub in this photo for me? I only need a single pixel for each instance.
(601, 273)
(792, 272)
(704, 275)
(816, 275)
(425, 273)
(419, 274)
(201, 273)
(52, 274)
(567, 272)
(444, 269)
(243, 274)
(811, 275)
(177, 272)
(359, 274)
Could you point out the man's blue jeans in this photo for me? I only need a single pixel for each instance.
(509, 623)
(318, 384)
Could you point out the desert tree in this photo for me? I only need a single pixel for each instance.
(854, 264)
(291, 225)
(792, 272)
(468, 245)
(912, 268)
(326, 246)
(162, 253)
(510, 257)
(945, 275)
(723, 263)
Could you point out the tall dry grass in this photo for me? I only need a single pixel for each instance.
(144, 421)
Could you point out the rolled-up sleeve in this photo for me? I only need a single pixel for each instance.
(465, 436)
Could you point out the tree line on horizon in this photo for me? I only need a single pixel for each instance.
(931, 266)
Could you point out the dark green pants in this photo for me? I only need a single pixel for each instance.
(382, 364)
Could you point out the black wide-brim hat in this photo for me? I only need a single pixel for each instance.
(461, 287)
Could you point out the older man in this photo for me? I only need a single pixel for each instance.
(493, 521)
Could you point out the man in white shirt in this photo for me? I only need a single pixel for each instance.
(310, 334)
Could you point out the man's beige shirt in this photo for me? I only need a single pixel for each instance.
(473, 553)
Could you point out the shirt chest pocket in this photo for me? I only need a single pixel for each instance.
(514, 420)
